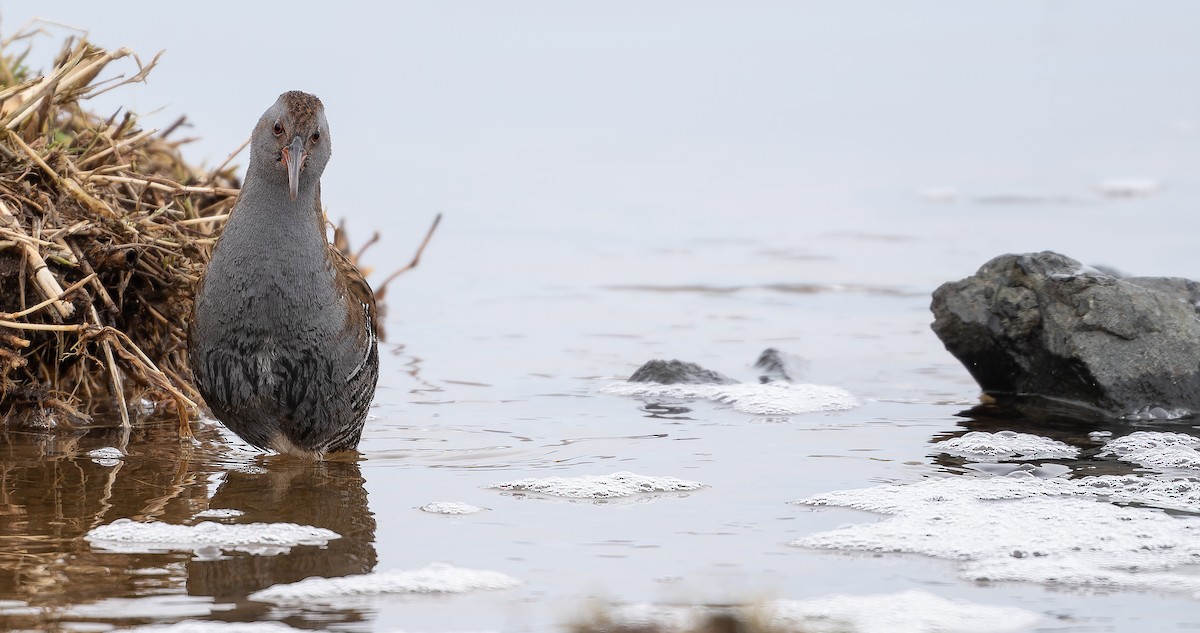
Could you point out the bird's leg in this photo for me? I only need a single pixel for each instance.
(185, 427)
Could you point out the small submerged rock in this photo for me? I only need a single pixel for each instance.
(1042, 324)
(774, 395)
(677, 372)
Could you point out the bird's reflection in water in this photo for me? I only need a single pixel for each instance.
(327, 494)
(52, 492)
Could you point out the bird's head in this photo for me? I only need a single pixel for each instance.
(291, 141)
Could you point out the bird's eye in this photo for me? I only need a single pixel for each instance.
(316, 136)
(278, 128)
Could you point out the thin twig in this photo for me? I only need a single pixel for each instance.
(167, 186)
(35, 92)
(45, 327)
(120, 145)
(211, 218)
(114, 374)
(43, 278)
(70, 185)
(416, 258)
(30, 310)
(216, 171)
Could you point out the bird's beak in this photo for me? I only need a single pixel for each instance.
(293, 157)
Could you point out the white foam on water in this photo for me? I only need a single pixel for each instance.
(1019, 527)
(981, 446)
(150, 571)
(772, 398)
(614, 486)
(432, 578)
(450, 507)
(1043, 471)
(218, 513)
(266, 539)
(204, 626)
(107, 456)
(1157, 413)
(1172, 493)
(912, 611)
(1154, 449)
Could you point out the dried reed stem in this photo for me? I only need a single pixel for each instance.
(43, 277)
(57, 298)
(416, 258)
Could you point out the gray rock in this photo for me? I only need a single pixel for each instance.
(1185, 289)
(1042, 324)
(677, 372)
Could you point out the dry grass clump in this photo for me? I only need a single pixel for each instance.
(104, 230)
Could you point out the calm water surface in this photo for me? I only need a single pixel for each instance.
(683, 181)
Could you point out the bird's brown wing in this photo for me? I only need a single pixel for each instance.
(361, 323)
(359, 295)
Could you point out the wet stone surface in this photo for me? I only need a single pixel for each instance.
(1043, 324)
(678, 372)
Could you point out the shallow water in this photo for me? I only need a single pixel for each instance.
(627, 185)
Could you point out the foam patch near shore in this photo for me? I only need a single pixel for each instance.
(1154, 449)
(436, 578)
(216, 626)
(773, 398)
(218, 513)
(980, 446)
(614, 486)
(265, 539)
(1019, 527)
(912, 611)
(454, 508)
